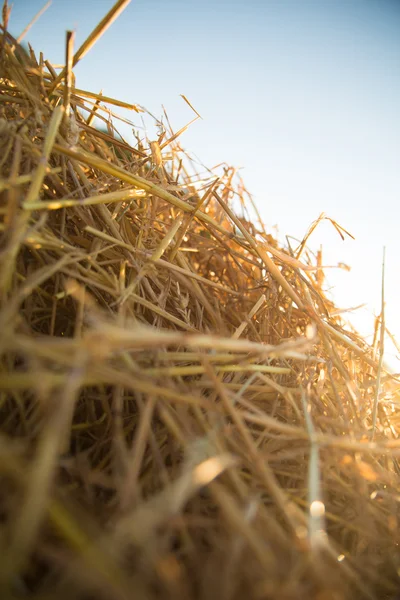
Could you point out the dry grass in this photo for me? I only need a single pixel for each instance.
(181, 415)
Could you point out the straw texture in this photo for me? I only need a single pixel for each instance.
(183, 412)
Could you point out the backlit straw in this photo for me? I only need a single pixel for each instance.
(184, 412)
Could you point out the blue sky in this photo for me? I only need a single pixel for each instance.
(303, 94)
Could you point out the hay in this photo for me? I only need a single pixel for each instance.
(182, 413)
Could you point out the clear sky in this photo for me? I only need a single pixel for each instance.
(303, 94)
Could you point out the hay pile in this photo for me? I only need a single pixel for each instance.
(182, 415)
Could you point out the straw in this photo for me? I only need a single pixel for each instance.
(185, 413)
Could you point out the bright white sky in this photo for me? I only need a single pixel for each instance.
(304, 95)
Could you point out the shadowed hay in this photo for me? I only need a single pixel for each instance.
(182, 416)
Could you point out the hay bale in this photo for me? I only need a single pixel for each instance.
(182, 413)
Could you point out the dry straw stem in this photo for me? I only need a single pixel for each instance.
(184, 413)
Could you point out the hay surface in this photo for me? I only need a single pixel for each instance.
(182, 413)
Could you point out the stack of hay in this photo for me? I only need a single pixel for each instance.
(182, 415)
